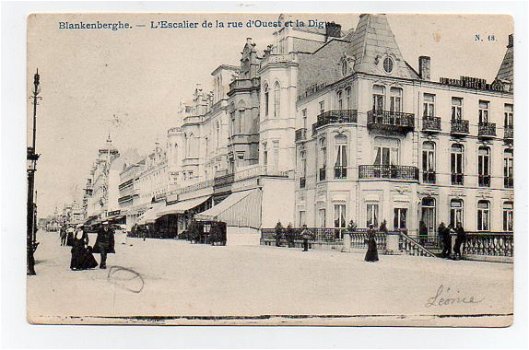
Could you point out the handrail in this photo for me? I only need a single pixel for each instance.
(411, 247)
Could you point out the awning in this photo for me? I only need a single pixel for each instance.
(150, 215)
(241, 209)
(183, 206)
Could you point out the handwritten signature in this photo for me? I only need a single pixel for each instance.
(448, 296)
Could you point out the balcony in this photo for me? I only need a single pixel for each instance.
(278, 59)
(323, 173)
(302, 182)
(508, 182)
(337, 117)
(428, 177)
(340, 172)
(484, 180)
(301, 134)
(397, 172)
(487, 130)
(458, 179)
(508, 133)
(459, 127)
(390, 121)
(431, 124)
(224, 180)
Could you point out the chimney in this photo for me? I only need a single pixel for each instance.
(424, 67)
(333, 30)
(511, 41)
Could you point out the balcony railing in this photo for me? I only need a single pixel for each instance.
(489, 244)
(337, 117)
(432, 124)
(457, 178)
(397, 172)
(302, 182)
(301, 134)
(390, 121)
(223, 180)
(340, 172)
(483, 180)
(487, 130)
(323, 173)
(459, 127)
(508, 182)
(428, 177)
(508, 133)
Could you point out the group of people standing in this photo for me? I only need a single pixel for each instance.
(445, 238)
(82, 252)
(290, 235)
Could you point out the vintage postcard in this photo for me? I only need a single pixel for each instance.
(351, 169)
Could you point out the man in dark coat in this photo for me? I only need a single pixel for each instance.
(278, 233)
(461, 237)
(104, 243)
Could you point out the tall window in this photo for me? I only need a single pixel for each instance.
(265, 156)
(348, 98)
(304, 115)
(456, 164)
(266, 99)
(456, 212)
(372, 215)
(428, 205)
(379, 94)
(428, 162)
(483, 112)
(303, 167)
(339, 218)
(484, 167)
(428, 105)
(508, 116)
(508, 169)
(277, 99)
(322, 107)
(322, 217)
(340, 166)
(395, 100)
(386, 152)
(323, 159)
(399, 218)
(340, 100)
(508, 216)
(483, 216)
(457, 108)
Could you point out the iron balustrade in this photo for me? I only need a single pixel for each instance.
(390, 121)
(301, 134)
(398, 172)
(489, 244)
(459, 127)
(484, 180)
(508, 132)
(431, 123)
(487, 129)
(428, 177)
(340, 172)
(323, 173)
(337, 117)
(508, 182)
(457, 178)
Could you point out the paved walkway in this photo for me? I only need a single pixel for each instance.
(170, 279)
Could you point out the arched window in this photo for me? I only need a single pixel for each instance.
(483, 215)
(340, 100)
(456, 212)
(508, 210)
(277, 99)
(388, 64)
(428, 162)
(340, 166)
(266, 101)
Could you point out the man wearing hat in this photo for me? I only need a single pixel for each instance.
(104, 243)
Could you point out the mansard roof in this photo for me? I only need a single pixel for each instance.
(506, 69)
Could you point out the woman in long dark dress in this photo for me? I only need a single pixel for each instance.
(372, 253)
(82, 257)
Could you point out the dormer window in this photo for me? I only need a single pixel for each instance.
(388, 64)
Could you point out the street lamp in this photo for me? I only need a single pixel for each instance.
(32, 158)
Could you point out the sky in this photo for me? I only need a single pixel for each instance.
(139, 76)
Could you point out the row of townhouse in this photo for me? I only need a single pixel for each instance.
(326, 126)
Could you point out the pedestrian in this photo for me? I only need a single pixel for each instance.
(383, 227)
(423, 232)
(447, 241)
(104, 243)
(278, 233)
(306, 235)
(69, 236)
(351, 228)
(82, 257)
(290, 235)
(62, 233)
(372, 253)
(461, 237)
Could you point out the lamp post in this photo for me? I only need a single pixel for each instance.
(32, 158)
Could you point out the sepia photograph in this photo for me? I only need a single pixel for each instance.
(270, 169)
